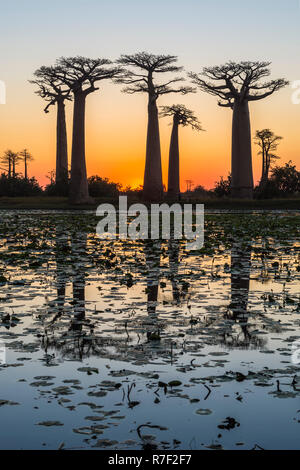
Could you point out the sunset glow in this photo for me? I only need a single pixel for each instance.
(115, 122)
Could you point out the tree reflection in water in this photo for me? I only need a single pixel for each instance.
(75, 336)
(78, 342)
(152, 258)
(241, 335)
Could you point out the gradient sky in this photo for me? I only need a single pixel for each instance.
(201, 32)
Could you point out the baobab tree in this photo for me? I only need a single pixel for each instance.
(11, 159)
(237, 84)
(15, 159)
(139, 78)
(182, 116)
(55, 93)
(268, 143)
(80, 75)
(6, 160)
(51, 176)
(26, 156)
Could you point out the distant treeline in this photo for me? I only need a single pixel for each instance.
(284, 181)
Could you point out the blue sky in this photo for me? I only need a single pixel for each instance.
(199, 31)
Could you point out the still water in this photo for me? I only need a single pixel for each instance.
(132, 344)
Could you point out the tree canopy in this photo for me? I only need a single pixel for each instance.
(268, 142)
(238, 81)
(183, 115)
(81, 73)
(149, 64)
(50, 86)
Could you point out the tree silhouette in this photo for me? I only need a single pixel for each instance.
(182, 116)
(142, 81)
(153, 264)
(286, 178)
(242, 332)
(268, 143)
(26, 157)
(51, 176)
(11, 159)
(54, 92)
(237, 84)
(80, 75)
(6, 159)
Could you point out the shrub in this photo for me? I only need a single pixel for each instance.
(223, 187)
(103, 187)
(57, 189)
(284, 182)
(18, 187)
(286, 179)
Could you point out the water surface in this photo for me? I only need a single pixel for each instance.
(131, 345)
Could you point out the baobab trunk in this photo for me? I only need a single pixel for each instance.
(268, 164)
(265, 171)
(153, 185)
(61, 145)
(242, 173)
(79, 193)
(263, 167)
(25, 167)
(174, 175)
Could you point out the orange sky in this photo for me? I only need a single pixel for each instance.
(115, 122)
(115, 140)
